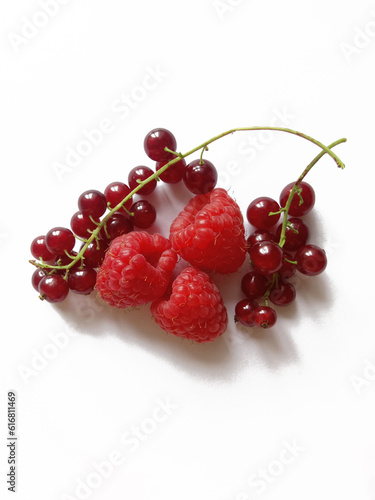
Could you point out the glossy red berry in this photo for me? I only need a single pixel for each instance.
(254, 285)
(266, 256)
(200, 178)
(82, 225)
(115, 193)
(95, 253)
(53, 288)
(259, 235)
(287, 269)
(264, 316)
(155, 142)
(144, 214)
(92, 202)
(116, 225)
(244, 312)
(82, 281)
(258, 213)
(60, 240)
(296, 234)
(141, 173)
(311, 260)
(65, 260)
(283, 294)
(174, 173)
(40, 251)
(298, 209)
(36, 278)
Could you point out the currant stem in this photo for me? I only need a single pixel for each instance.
(179, 156)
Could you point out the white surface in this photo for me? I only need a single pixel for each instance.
(236, 406)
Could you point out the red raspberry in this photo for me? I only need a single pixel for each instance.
(194, 309)
(209, 232)
(136, 269)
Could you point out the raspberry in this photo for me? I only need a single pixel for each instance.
(194, 310)
(136, 269)
(209, 233)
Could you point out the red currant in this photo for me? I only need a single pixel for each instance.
(81, 225)
(244, 312)
(258, 213)
(266, 256)
(287, 269)
(92, 203)
(297, 209)
(155, 142)
(116, 225)
(53, 288)
(141, 173)
(95, 253)
(115, 193)
(296, 234)
(60, 240)
(144, 214)
(36, 278)
(282, 294)
(200, 177)
(254, 285)
(82, 281)
(40, 251)
(311, 260)
(265, 316)
(260, 235)
(174, 173)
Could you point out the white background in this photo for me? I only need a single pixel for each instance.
(212, 422)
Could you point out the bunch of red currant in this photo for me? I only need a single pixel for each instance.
(101, 217)
(277, 250)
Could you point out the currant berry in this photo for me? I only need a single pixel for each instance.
(258, 213)
(92, 203)
(297, 209)
(82, 225)
(155, 142)
(82, 281)
(265, 316)
(244, 312)
(174, 173)
(60, 240)
(259, 235)
(36, 278)
(40, 251)
(287, 269)
(141, 173)
(254, 285)
(116, 225)
(311, 260)
(282, 294)
(53, 288)
(266, 256)
(296, 234)
(65, 260)
(95, 253)
(144, 214)
(200, 177)
(115, 193)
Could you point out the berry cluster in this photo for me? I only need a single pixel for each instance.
(108, 249)
(277, 250)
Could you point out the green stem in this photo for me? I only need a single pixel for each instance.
(203, 146)
(296, 186)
